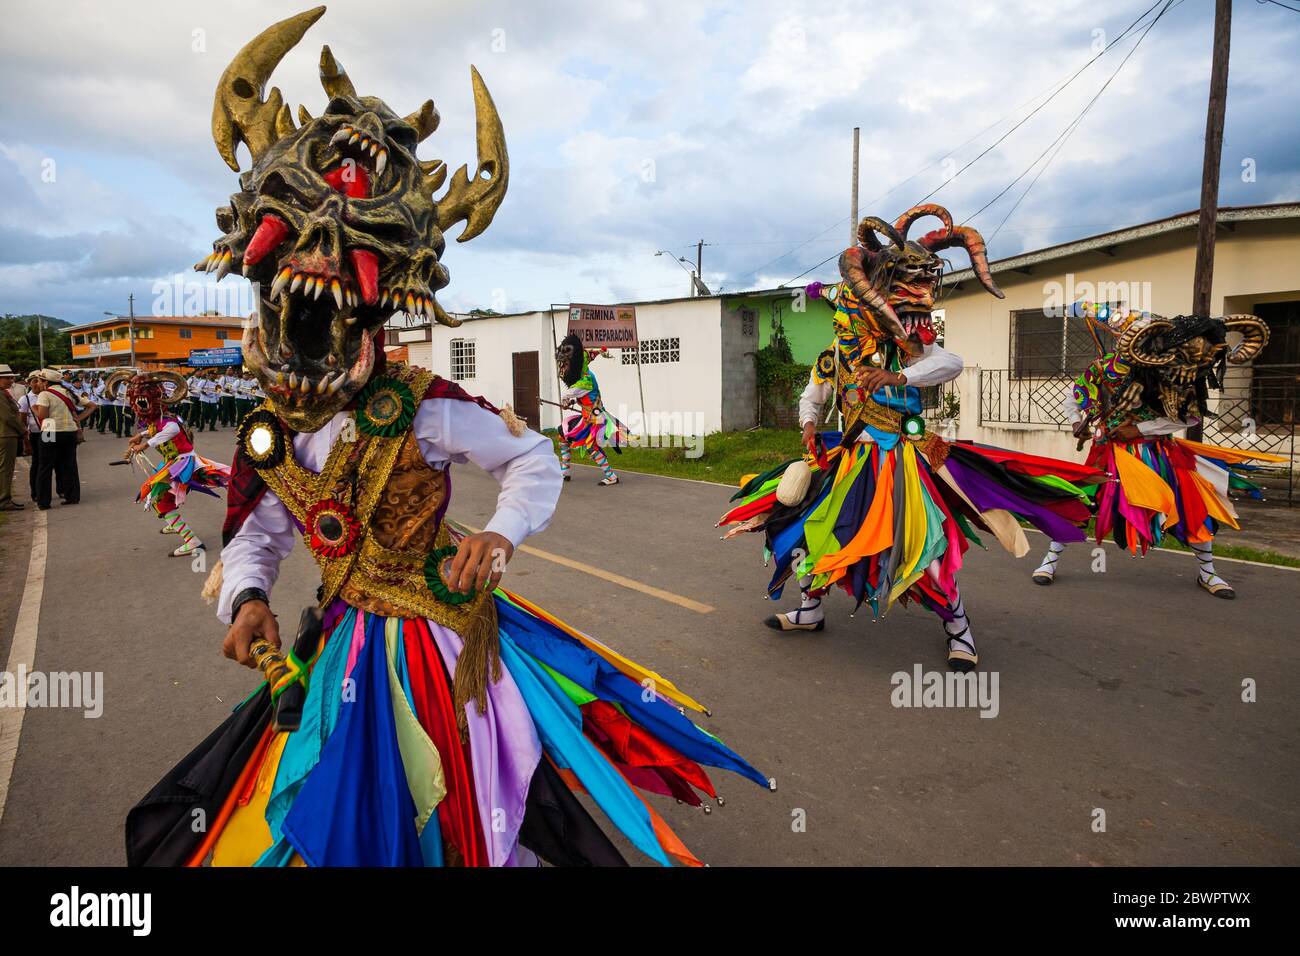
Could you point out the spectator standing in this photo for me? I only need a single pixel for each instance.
(32, 441)
(194, 407)
(11, 433)
(104, 415)
(209, 393)
(60, 418)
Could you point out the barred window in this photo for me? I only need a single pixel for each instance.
(748, 321)
(462, 359)
(1045, 345)
(655, 352)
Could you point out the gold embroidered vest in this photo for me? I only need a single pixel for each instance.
(373, 520)
(373, 516)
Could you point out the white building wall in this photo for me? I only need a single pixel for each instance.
(684, 397)
(496, 339)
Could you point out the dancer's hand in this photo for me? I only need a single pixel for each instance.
(1126, 433)
(480, 559)
(809, 434)
(253, 621)
(877, 378)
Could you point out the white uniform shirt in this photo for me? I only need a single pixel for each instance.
(25, 409)
(446, 430)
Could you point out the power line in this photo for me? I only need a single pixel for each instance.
(1282, 5)
(1065, 134)
(1071, 79)
(1055, 89)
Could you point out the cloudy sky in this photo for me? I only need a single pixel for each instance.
(638, 126)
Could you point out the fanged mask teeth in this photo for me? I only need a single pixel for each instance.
(280, 281)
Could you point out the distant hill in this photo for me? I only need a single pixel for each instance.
(50, 321)
(20, 343)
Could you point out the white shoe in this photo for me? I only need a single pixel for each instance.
(801, 619)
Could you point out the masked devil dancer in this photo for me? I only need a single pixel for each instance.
(183, 470)
(592, 428)
(422, 715)
(1151, 383)
(884, 510)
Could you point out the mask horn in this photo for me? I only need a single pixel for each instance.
(871, 225)
(1254, 336)
(239, 114)
(179, 392)
(333, 77)
(970, 240)
(475, 201)
(905, 221)
(114, 380)
(1134, 343)
(425, 120)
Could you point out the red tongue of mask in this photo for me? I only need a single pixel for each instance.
(350, 179)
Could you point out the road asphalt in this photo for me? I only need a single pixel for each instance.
(1121, 735)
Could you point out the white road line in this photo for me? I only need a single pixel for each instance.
(22, 654)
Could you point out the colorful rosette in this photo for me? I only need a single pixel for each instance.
(385, 407)
(331, 528)
(436, 566)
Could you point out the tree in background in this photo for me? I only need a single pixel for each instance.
(20, 343)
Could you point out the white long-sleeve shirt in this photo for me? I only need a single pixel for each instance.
(446, 430)
(166, 433)
(935, 366)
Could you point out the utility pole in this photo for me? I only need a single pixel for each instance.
(40, 338)
(853, 209)
(1203, 278)
(698, 287)
(130, 301)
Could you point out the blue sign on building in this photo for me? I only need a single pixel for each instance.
(200, 358)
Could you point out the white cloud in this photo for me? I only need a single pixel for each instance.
(632, 127)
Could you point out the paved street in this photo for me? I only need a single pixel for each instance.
(1143, 719)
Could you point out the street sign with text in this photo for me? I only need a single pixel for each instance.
(604, 326)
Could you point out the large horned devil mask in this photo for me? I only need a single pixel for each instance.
(145, 393)
(899, 281)
(336, 221)
(1174, 362)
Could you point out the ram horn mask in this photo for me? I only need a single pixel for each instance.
(973, 243)
(176, 378)
(116, 379)
(1135, 344)
(1254, 336)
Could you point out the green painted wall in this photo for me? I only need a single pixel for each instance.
(809, 332)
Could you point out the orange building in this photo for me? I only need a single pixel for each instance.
(160, 341)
